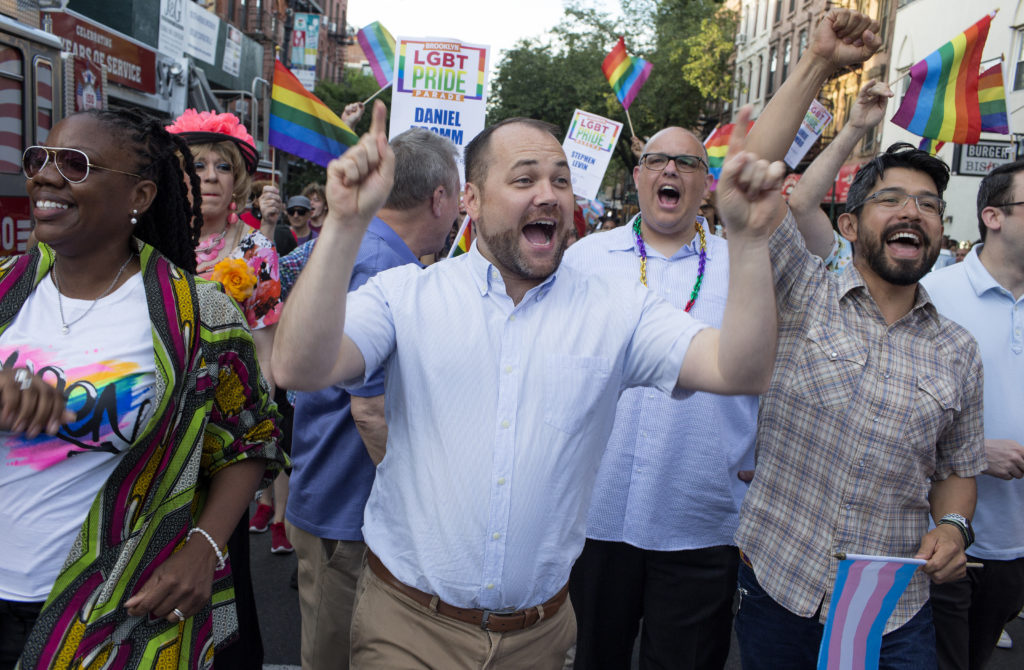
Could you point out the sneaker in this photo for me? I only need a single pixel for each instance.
(1004, 641)
(260, 521)
(279, 543)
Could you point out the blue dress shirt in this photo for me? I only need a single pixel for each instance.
(497, 418)
(668, 480)
(966, 293)
(331, 470)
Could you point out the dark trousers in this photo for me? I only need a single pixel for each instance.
(246, 651)
(684, 598)
(970, 613)
(771, 637)
(16, 621)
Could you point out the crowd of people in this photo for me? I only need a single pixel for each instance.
(532, 455)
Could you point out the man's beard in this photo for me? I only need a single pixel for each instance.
(506, 251)
(901, 272)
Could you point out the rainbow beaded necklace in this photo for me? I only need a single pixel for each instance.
(701, 264)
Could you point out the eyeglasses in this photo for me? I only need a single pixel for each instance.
(896, 199)
(1006, 204)
(302, 211)
(684, 162)
(72, 164)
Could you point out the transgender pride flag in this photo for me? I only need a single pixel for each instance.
(865, 594)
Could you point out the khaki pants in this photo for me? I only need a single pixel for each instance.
(390, 630)
(328, 572)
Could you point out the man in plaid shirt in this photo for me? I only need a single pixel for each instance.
(873, 418)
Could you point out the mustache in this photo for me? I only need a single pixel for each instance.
(907, 225)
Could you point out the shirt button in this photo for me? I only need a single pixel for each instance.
(496, 536)
(848, 505)
(512, 317)
(490, 587)
(887, 376)
(834, 355)
(501, 481)
(875, 419)
(505, 424)
(508, 368)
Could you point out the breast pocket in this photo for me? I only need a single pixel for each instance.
(829, 368)
(573, 385)
(936, 403)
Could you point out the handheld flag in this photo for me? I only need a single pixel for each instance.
(379, 48)
(866, 591)
(463, 239)
(717, 145)
(625, 74)
(303, 125)
(942, 101)
(992, 96)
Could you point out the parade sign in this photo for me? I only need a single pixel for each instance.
(441, 85)
(126, 61)
(815, 121)
(588, 146)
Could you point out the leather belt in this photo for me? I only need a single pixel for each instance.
(495, 621)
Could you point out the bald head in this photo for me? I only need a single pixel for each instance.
(675, 131)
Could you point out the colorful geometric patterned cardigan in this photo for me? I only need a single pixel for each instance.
(214, 409)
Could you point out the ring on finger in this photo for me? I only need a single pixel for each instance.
(179, 614)
(23, 377)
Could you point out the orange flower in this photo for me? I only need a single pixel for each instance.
(236, 276)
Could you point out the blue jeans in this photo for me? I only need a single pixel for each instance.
(771, 637)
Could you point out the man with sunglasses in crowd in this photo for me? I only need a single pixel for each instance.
(873, 418)
(299, 212)
(985, 294)
(666, 457)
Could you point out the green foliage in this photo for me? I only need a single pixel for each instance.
(688, 42)
(355, 87)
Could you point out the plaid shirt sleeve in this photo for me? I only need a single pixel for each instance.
(292, 264)
(798, 272)
(961, 447)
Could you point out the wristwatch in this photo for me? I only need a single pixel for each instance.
(963, 524)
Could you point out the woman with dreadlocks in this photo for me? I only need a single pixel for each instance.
(138, 423)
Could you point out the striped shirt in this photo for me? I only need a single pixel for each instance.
(497, 417)
(859, 418)
(668, 479)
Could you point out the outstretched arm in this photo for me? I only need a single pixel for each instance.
(739, 357)
(311, 350)
(843, 37)
(804, 201)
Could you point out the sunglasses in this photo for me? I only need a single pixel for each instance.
(302, 211)
(72, 164)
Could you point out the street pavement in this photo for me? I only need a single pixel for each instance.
(278, 606)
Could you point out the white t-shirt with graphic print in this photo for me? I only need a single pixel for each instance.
(106, 368)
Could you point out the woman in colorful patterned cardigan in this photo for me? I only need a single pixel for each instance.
(117, 508)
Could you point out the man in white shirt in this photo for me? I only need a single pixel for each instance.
(503, 372)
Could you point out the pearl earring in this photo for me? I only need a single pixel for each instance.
(135, 214)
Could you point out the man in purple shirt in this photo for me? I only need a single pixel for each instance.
(339, 438)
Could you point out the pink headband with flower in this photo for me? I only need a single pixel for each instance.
(202, 127)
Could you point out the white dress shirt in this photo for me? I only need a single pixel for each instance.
(498, 415)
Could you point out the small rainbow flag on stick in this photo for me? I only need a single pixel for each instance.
(992, 96)
(463, 239)
(625, 74)
(303, 125)
(379, 48)
(717, 145)
(942, 101)
(866, 591)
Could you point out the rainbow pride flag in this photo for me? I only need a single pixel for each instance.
(625, 74)
(463, 240)
(992, 96)
(942, 101)
(717, 145)
(379, 48)
(303, 125)
(866, 591)
(930, 145)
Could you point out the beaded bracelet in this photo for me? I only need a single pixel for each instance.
(216, 549)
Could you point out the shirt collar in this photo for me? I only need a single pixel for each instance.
(381, 229)
(850, 279)
(488, 278)
(627, 241)
(979, 276)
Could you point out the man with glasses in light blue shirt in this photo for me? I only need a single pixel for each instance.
(985, 295)
(503, 372)
(668, 493)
